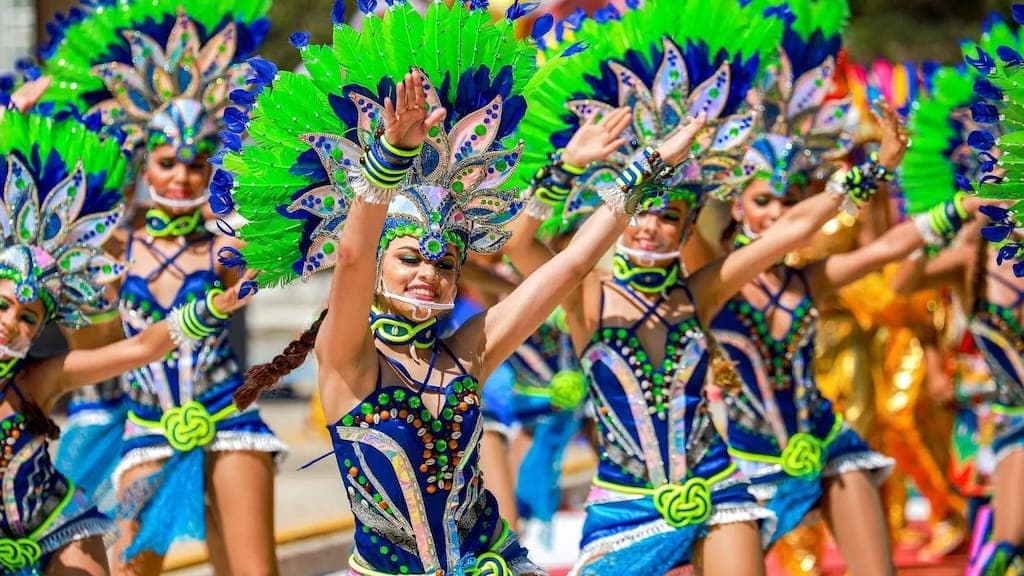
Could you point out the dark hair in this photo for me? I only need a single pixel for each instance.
(979, 284)
(262, 377)
(36, 420)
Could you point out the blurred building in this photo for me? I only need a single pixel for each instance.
(17, 31)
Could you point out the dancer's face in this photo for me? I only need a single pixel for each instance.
(759, 208)
(19, 323)
(659, 231)
(407, 273)
(175, 180)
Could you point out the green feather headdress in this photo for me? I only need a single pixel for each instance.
(803, 131)
(292, 183)
(998, 110)
(938, 135)
(156, 71)
(665, 60)
(61, 200)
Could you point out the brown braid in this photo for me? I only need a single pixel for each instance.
(264, 376)
(36, 420)
(979, 284)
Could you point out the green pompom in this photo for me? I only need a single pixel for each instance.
(568, 389)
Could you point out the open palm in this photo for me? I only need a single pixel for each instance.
(676, 147)
(406, 117)
(894, 136)
(596, 139)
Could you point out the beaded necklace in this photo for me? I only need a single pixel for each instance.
(778, 352)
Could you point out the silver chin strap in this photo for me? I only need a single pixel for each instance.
(189, 204)
(644, 257)
(15, 350)
(427, 308)
(748, 232)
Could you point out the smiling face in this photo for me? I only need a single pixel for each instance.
(19, 323)
(405, 272)
(659, 231)
(175, 180)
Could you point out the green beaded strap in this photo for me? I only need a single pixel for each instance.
(160, 225)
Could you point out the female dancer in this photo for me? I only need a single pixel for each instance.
(62, 197)
(160, 73)
(782, 433)
(664, 477)
(993, 292)
(405, 403)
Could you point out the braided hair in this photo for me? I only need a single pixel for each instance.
(262, 377)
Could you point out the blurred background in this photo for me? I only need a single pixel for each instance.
(893, 29)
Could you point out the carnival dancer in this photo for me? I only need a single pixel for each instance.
(61, 201)
(159, 75)
(991, 288)
(782, 433)
(396, 226)
(665, 481)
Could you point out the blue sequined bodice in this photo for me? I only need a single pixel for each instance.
(412, 478)
(177, 378)
(779, 396)
(32, 486)
(652, 418)
(998, 332)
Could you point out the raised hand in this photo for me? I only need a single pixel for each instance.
(237, 296)
(26, 96)
(894, 136)
(597, 139)
(407, 118)
(676, 148)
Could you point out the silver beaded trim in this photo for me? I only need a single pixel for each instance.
(538, 210)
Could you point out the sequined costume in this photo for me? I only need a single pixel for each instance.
(410, 473)
(664, 474)
(43, 510)
(414, 481)
(62, 185)
(783, 434)
(180, 408)
(965, 155)
(160, 74)
(90, 443)
(999, 335)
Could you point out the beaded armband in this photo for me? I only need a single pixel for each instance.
(637, 182)
(195, 321)
(860, 183)
(551, 186)
(940, 224)
(384, 167)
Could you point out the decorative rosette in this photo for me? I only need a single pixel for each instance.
(296, 180)
(61, 202)
(803, 131)
(156, 72)
(665, 61)
(998, 110)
